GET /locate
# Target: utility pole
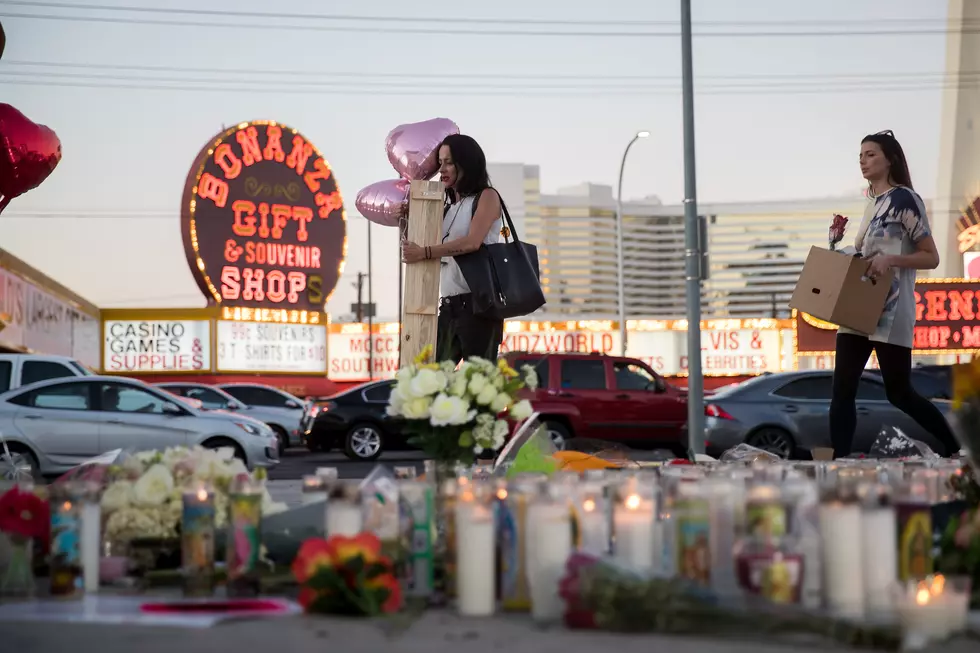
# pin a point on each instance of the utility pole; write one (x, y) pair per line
(360, 303)
(692, 248)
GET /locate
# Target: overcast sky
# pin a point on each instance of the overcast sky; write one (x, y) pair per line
(780, 113)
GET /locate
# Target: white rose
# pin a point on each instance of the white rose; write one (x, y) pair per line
(485, 419)
(450, 411)
(500, 429)
(153, 488)
(396, 401)
(530, 377)
(427, 383)
(521, 410)
(500, 403)
(404, 375)
(458, 386)
(447, 367)
(499, 382)
(417, 408)
(117, 496)
(487, 395)
(477, 382)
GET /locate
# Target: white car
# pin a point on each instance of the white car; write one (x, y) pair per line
(54, 425)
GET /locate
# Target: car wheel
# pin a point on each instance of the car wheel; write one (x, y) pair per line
(558, 433)
(22, 465)
(363, 442)
(221, 443)
(282, 437)
(773, 440)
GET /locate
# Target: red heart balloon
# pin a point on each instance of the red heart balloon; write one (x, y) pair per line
(28, 153)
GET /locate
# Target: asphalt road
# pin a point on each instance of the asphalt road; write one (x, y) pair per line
(297, 463)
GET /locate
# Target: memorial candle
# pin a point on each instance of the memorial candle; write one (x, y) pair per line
(91, 538)
(593, 525)
(548, 553)
(879, 543)
(344, 514)
(842, 559)
(633, 526)
(475, 549)
(244, 540)
(197, 526)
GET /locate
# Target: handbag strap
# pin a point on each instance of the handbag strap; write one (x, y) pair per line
(503, 205)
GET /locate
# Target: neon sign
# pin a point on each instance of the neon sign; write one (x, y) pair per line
(969, 234)
(263, 221)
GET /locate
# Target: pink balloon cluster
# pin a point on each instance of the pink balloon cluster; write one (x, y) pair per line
(413, 151)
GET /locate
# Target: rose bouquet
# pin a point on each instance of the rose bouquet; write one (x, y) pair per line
(346, 575)
(837, 228)
(455, 414)
(24, 519)
(143, 492)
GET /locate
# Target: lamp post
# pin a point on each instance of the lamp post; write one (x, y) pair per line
(619, 244)
(692, 247)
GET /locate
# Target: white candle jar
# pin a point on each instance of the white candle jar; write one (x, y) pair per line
(592, 520)
(344, 513)
(842, 557)
(634, 526)
(475, 550)
(548, 552)
(879, 550)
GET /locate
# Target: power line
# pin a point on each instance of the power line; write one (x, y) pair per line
(456, 20)
(577, 91)
(456, 32)
(872, 76)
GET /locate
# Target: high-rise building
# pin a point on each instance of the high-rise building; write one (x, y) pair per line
(755, 253)
(956, 209)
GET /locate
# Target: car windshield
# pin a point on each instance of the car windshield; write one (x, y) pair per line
(82, 370)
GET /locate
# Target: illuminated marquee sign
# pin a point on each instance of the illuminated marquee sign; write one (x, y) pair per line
(156, 346)
(947, 314)
(271, 347)
(969, 224)
(262, 220)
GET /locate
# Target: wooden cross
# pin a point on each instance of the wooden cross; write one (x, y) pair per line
(420, 310)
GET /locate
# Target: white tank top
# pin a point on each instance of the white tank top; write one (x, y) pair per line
(456, 224)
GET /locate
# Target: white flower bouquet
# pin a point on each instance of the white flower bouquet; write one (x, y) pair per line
(142, 495)
(455, 414)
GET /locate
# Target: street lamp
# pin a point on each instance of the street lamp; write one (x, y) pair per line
(619, 243)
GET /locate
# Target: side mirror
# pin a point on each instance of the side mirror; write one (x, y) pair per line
(231, 405)
(172, 409)
(659, 385)
(291, 404)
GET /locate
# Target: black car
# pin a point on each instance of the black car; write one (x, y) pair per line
(357, 422)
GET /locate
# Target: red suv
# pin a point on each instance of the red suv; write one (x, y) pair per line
(607, 398)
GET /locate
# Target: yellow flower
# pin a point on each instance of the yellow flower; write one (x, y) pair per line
(966, 383)
(506, 369)
(424, 355)
(430, 366)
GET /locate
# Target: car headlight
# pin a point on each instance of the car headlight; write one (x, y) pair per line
(248, 428)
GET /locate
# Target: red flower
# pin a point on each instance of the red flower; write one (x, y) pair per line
(312, 555)
(24, 514)
(388, 581)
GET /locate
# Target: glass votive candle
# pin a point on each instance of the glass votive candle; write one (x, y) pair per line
(405, 472)
(634, 526)
(475, 549)
(592, 519)
(958, 591)
(314, 489)
(923, 614)
(328, 473)
(344, 512)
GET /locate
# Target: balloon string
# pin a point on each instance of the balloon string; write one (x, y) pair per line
(4, 202)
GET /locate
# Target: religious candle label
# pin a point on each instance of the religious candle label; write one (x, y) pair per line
(773, 575)
(693, 540)
(66, 552)
(766, 520)
(418, 500)
(511, 520)
(914, 540)
(244, 543)
(197, 545)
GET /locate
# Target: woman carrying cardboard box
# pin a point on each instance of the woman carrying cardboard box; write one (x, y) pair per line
(894, 235)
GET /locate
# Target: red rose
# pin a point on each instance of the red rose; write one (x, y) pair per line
(23, 514)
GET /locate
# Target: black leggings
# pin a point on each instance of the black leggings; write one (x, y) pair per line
(853, 352)
(462, 334)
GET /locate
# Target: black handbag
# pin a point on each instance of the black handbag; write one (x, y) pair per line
(504, 278)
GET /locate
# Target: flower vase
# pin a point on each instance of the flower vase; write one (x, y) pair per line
(18, 578)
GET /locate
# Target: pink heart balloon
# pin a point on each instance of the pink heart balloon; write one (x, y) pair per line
(384, 202)
(28, 153)
(413, 149)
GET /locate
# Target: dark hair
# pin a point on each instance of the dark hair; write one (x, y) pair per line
(471, 165)
(898, 174)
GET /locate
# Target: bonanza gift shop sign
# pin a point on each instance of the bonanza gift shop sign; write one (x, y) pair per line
(262, 220)
(156, 346)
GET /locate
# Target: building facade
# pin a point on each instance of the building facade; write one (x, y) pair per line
(755, 253)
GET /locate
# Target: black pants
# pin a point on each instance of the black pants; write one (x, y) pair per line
(462, 334)
(853, 352)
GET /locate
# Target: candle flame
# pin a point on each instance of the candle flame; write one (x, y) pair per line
(466, 496)
(588, 505)
(66, 506)
(633, 501)
(937, 585)
(502, 494)
(922, 596)
(202, 495)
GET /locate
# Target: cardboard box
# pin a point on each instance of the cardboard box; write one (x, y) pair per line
(833, 287)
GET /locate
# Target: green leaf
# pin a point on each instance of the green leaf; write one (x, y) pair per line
(324, 580)
(466, 438)
(355, 565)
(376, 569)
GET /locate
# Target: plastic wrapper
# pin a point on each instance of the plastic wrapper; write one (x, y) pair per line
(893, 443)
(746, 453)
(529, 450)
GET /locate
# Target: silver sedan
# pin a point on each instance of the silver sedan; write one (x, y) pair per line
(789, 413)
(55, 425)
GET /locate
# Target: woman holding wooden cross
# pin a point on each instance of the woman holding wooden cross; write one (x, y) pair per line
(472, 218)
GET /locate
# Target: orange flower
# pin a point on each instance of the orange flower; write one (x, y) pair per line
(388, 581)
(341, 548)
(313, 554)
